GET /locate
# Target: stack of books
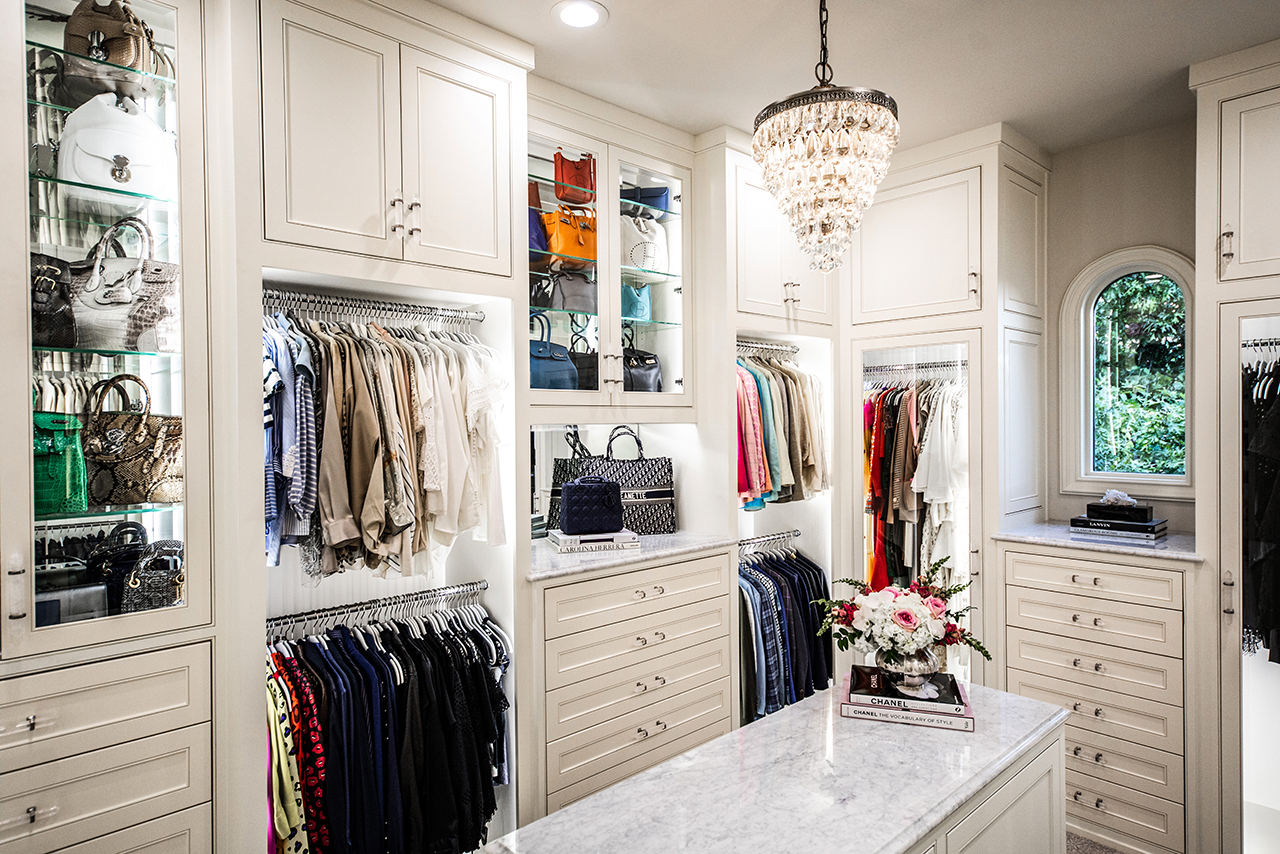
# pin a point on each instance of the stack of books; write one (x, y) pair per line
(1148, 531)
(616, 541)
(943, 704)
(538, 524)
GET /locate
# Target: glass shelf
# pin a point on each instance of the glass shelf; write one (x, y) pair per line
(545, 274)
(155, 79)
(47, 106)
(105, 512)
(551, 256)
(640, 274)
(125, 195)
(636, 321)
(552, 183)
(106, 352)
(555, 311)
(658, 214)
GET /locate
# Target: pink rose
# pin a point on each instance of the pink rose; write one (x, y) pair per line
(906, 619)
(936, 606)
(895, 591)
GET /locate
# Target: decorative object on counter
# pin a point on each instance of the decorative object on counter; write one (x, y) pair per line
(158, 579)
(112, 560)
(652, 202)
(571, 238)
(549, 364)
(125, 303)
(575, 179)
(869, 687)
(623, 540)
(564, 469)
(1117, 506)
(901, 626)
(59, 470)
(917, 713)
(574, 292)
(591, 505)
(53, 320)
(823, 153)
(118, 148)
(641, 370)
(132, 457)
(644, 247)
(637, 302)
(648, 486)
(538, 526)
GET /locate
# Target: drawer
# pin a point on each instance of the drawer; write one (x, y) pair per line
(58, 713)
(618, 773)
(596, 700)
(1139, 674)
(573, 658)
(86, 796)
(1140, 627)
(1125, 763)
(1137, 585)
(1130, 718)
(592, 604)
(186, 832)
(1127, 810)
(599, 748)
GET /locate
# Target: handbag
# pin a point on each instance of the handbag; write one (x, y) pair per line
(112, 33)
(586, 361)
(571, 238)
(641, 370)
(53, 320)
(111, 561)
(126, 303)
(652, 202)
(636, 302)
(158, 579)
(591, 505)
(549, 364)
(537, 240)
(648, 486)
(644, 248)
(576, 179)
(59, 468)
(573, 292)
(115, 148)
(132, 457)
(565, 469)
(539, 291)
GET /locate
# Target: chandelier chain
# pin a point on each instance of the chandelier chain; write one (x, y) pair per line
(823, 69)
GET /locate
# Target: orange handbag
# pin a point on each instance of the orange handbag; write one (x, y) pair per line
(576, 179)
(571, 238)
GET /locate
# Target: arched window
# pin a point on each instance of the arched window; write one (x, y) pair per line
(1124, 384)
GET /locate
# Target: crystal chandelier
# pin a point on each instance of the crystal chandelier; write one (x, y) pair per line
(823, 153)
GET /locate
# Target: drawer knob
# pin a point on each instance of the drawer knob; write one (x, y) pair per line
(641, 640)
(661, 680)
(1098, 667)
(1077, 796)
(1076, 750)
(1098, 713)
(31, 815)
(1098, 759)
(641, 732)
(1098, 804)
(1097, 621)
(1075, 618)
(1097, 581)
(658, 590)
(641, 687)
(28, 817)
(638, 595)
(1075, 662)
(659, 636)
(1075, 579)
(661, 724)
(1075, 707)
(31, 723)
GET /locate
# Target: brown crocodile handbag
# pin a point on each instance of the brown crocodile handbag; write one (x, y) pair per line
(132, 457)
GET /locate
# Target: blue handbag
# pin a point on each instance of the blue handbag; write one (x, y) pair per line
(651, 198)
(537, 238)
(636, 303)
(549, 364)
(591, 505)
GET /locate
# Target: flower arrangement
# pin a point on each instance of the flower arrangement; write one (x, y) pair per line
(898, 622)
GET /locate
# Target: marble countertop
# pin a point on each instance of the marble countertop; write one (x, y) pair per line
(548, 563)
(1172, 547)
(801, 779)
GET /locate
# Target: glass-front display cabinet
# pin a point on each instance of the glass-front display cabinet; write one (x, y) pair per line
(109, 535)
(608, 274)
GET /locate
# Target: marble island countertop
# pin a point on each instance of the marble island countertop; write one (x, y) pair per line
(1172, 547)
(548, 563)
(802, 779)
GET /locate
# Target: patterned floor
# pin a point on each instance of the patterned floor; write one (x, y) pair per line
(1080, 845)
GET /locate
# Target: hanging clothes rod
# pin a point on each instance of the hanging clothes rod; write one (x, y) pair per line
(44, 527)
(749, 347)
(781, 536)
(1259, 342)
(359, 306)
(916, 366)
(373, 606)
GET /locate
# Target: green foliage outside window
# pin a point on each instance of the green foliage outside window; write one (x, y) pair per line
(1140, 376)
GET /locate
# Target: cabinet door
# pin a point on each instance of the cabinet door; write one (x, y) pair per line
(757, 249)
(1249, 229)
(331, 132)
(919, 250)
(811, 293)
(456, 125)
(1025, 815)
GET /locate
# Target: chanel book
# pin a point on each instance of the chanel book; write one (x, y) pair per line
(872, 690)
(962, 722)
(623, 537)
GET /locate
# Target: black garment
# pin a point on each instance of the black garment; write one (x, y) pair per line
(410, 758)
(746, 642)
(337, 738)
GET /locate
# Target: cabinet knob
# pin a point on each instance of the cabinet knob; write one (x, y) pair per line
(1098, 713)
(641, 640)
(1077, 796)
(1097, 621)
(641, 687)
(661, 680)
(638, 595)
(1098, 804)
(661, 724)
(31, 723)
(1075, 618)
(1097, 667)
(658, 590)
(659, 636)
(1075, 662)
(1075, 579)
(1098, 759)
(1076, 750)
(1075, 707)
(1097, 582)
(641, 733)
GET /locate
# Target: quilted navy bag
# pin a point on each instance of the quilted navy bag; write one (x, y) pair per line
(591, 505)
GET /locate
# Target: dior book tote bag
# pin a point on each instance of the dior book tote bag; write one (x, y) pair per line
(648, 486)
(565, 469)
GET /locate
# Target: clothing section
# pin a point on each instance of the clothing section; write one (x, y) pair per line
(1260, 441)
(915, 468)
(783, 659)
(387, 735)
(782, 438)
(380, 434)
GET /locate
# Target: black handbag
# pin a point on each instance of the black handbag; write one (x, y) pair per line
(587, 362)
(641, 370)
(539, 291)
(549, 364)
(112, 561)
(648, 486)
(591, 505)
(158, 579)
(565, 469)
(53, 320)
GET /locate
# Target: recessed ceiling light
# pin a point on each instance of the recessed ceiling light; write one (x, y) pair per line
(581, 13)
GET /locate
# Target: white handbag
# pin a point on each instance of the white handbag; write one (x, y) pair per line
(644, 246)
(117, 148)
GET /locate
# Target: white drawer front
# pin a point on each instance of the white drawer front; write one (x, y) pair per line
(1138, 627)
(605, 779)
(1129, 811)
(573, 658)
(1137, 585)
(1131, 718)
(1140, 674)
(596, 700)
(59, 713)
(86, 796)
(579, 756)
(186, 832)
(1126, 763)
(592, 604)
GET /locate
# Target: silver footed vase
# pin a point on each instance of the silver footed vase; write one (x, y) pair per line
(910, 673)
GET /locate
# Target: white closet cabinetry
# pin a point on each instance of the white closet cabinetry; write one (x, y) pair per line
(1250, 190)
(375, 147)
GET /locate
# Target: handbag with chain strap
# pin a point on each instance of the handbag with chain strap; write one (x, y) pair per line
(132, 457)
(648, 486)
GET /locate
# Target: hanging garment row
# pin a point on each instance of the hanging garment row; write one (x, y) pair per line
(782, 443)
(1260, 441)
(783, 658)
(380, 442)
(388, 737)
(916, 470)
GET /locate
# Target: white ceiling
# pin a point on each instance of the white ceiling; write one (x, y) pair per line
(1064, 72)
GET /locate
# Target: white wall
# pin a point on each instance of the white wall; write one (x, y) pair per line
(1129, 191)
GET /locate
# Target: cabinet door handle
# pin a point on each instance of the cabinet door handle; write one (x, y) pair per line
(1098, 759)
(1077, 796)
(1227, 249)
(1076, 750)
(641, 733)
(973, 281)
(658, 590)
(1227, 584)
(397, 213)
(1075, 662)
(1075, 707)
(1098, 713)
(638, 595)
(1097, 621)
(1097, 582)
(641, 687)
(659, 636)
(661, 724)
(641, 640)
(1075, 618)
(415, 217)
(1098, 805)
(661, 680)
(1075, 579)
(29, 817)
(1097, 667)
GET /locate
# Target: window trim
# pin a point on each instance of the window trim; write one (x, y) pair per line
(1076, 379)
